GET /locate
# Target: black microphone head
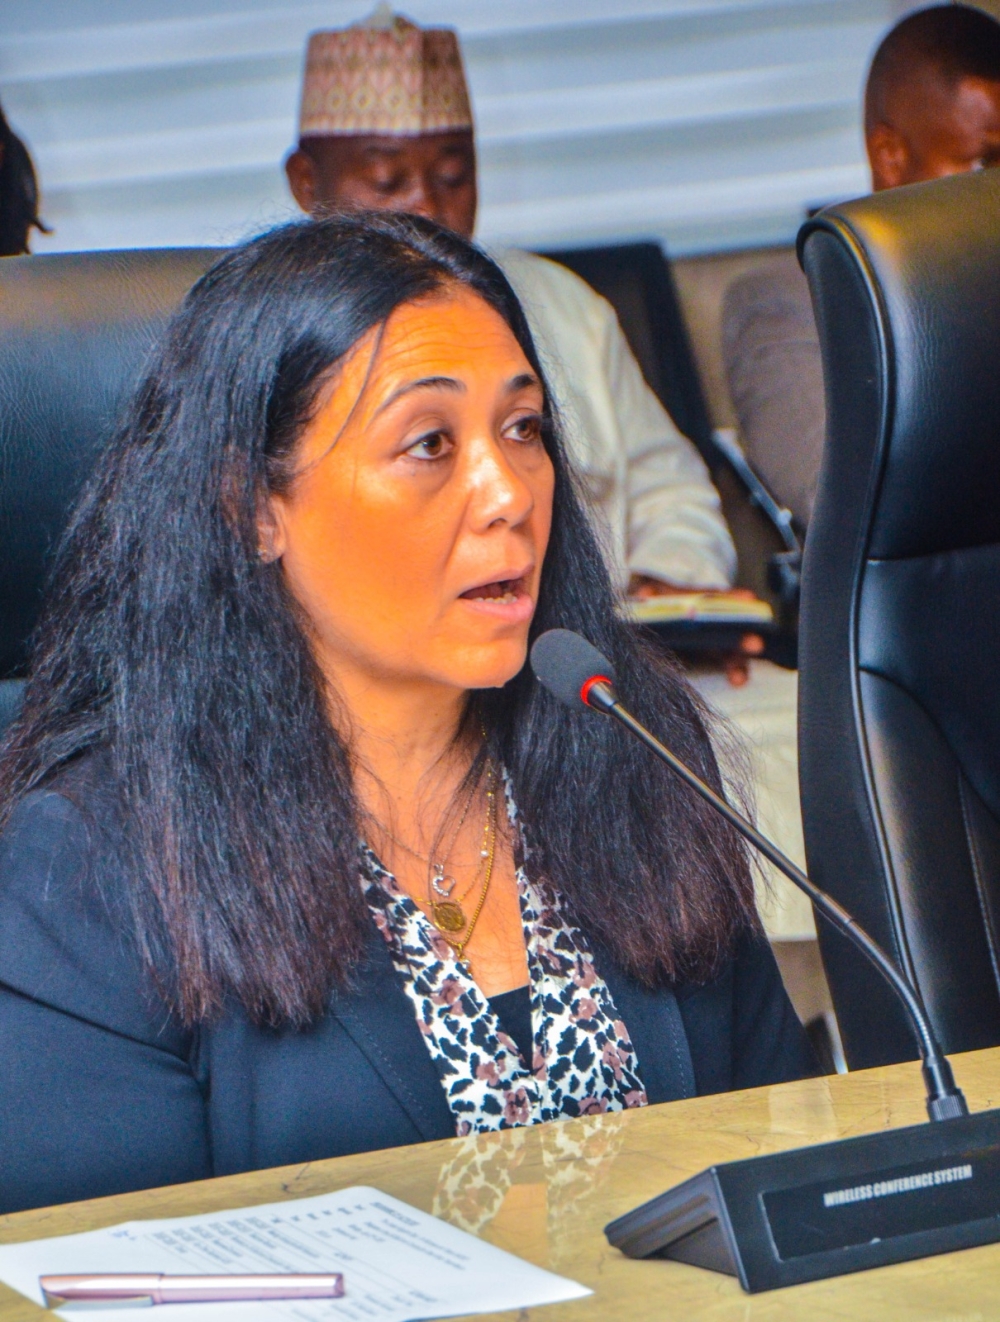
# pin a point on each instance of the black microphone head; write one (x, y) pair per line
(564, 662)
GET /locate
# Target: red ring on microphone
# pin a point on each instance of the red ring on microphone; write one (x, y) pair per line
(588, 684)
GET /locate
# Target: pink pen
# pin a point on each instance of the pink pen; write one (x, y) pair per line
(116, 1289)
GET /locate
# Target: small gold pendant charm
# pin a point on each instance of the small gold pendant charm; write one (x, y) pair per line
(448, 915)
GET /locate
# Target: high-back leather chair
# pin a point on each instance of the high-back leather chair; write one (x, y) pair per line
(899, 721)
(75, 329)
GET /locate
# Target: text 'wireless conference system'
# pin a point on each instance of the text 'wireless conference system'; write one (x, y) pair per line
(826, 1210)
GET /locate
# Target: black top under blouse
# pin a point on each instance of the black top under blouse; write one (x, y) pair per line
(513, 1009)
(103, 1090)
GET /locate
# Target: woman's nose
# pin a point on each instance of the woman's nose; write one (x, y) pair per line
(499, 493)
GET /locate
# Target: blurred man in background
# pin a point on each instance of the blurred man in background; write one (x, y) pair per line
(386, 123)
(932, 108)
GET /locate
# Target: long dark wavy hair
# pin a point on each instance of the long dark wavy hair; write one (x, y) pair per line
(167, 641)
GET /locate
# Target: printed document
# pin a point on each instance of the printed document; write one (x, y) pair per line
(399, 1264)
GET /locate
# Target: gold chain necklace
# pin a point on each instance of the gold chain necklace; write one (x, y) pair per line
(447, 913)
(445, 907)
(489, 852)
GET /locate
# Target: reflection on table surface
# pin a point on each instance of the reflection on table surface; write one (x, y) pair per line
(547, 1192)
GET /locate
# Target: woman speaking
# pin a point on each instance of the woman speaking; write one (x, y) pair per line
(297, 859)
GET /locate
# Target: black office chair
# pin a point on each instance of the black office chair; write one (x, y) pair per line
(899, 716)
(74, 331)
(637, 281)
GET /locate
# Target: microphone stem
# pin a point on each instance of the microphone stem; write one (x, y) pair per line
(944, 1097)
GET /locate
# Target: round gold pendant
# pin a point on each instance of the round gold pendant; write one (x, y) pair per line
(448, 916)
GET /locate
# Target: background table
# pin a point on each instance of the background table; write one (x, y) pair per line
(547, 1192)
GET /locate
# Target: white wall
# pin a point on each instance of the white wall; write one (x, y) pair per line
(709, 123)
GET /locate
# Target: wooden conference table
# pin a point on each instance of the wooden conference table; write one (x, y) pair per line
(545, 1193)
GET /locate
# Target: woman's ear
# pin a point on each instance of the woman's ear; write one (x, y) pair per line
(272, 538)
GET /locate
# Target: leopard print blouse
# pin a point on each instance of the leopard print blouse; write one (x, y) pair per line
(584, 1062)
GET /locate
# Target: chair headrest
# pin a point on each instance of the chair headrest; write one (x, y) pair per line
(929, 256)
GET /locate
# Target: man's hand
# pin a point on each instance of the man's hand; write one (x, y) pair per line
(735, 664)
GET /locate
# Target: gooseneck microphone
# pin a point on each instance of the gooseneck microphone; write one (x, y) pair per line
(576, 673)
(808, 1213)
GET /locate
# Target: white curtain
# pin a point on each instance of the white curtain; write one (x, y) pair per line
(708, 123)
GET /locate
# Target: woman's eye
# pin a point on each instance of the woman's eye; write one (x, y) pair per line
(527, 430)
(431, 446)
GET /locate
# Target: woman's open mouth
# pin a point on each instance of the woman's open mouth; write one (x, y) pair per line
(504, 589)
(508, 598)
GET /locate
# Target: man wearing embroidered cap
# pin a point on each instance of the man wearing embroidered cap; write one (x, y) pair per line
(386, 123)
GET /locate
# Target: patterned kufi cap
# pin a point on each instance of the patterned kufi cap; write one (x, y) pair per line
(384, 75)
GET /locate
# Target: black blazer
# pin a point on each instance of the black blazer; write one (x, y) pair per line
(102, 1090)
